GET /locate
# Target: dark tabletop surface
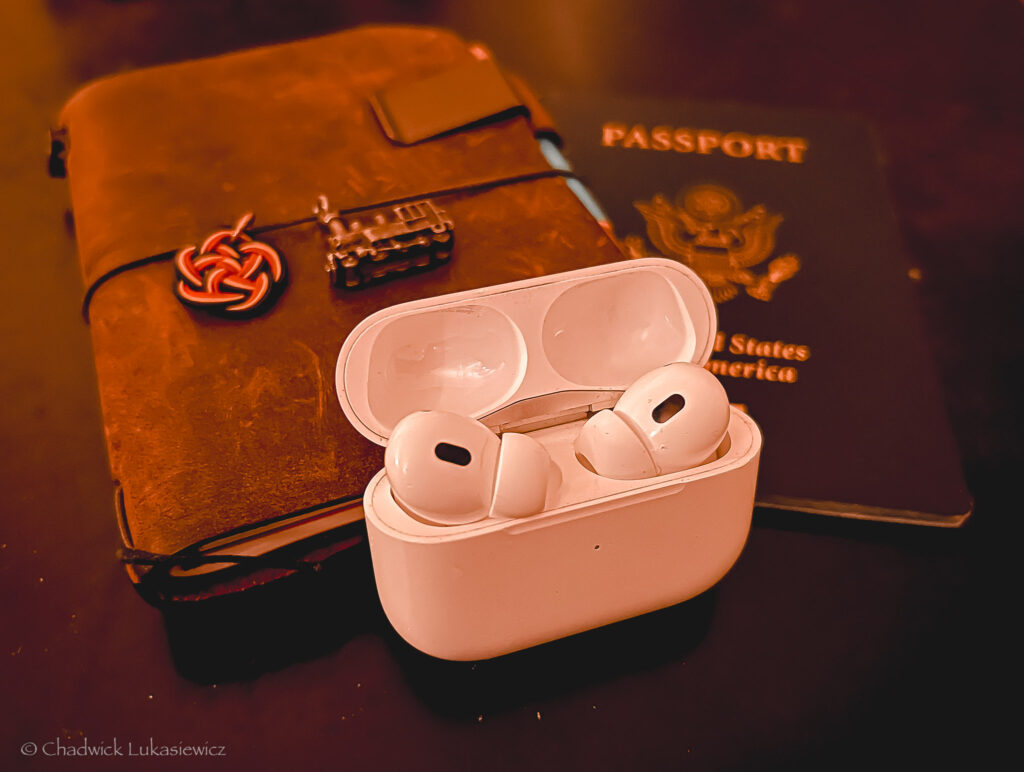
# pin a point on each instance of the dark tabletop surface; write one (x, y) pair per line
(831, 644)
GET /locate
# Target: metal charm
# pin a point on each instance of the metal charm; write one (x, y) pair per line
(229, 273)
(418, 235)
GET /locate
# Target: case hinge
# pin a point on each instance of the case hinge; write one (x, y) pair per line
(550, 410)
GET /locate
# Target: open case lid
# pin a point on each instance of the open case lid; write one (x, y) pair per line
(525, 354)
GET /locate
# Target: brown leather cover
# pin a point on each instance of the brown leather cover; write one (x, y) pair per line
(217, 424)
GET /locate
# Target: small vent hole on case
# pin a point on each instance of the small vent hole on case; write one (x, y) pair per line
(668, 408)
(453, 454)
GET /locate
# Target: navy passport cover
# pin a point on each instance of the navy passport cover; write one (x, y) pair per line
(785, 215)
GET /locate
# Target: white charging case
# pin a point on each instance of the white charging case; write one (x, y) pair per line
(539, 356)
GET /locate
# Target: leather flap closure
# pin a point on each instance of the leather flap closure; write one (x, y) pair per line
(460, 96)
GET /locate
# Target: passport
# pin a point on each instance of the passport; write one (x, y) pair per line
(785, 216)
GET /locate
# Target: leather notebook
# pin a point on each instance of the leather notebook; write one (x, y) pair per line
(232, 461)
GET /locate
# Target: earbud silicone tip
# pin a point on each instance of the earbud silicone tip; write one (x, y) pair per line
(612, 448)
(520, 486)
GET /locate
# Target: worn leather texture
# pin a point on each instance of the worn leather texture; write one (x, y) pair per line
(215, 424)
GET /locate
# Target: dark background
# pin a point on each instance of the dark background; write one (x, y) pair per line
(831, 645)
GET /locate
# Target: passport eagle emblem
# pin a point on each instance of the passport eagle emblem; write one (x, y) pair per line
(229, 273)
(707, 229)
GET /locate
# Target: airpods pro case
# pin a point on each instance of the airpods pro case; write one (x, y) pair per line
(540, 356)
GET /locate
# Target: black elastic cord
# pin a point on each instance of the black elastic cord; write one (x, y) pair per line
(193, 555)
(469, 188)
(187, 558)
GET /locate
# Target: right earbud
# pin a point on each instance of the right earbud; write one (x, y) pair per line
(448, 469)
(668, 420)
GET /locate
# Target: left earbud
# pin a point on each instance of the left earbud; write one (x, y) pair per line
(448, 469)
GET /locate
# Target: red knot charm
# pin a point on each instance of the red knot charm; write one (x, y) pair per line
(229, 273)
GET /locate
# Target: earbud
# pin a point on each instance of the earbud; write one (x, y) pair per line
(448, 469)
(668, 420)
